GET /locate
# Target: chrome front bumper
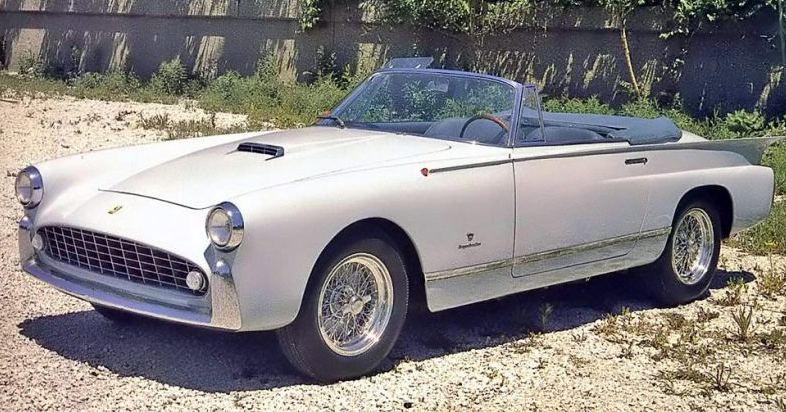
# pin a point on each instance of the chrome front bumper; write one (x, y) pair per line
(218, 309)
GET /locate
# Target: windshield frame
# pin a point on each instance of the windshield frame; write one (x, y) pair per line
(517, 97)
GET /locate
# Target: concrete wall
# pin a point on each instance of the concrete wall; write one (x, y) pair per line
(575, 52)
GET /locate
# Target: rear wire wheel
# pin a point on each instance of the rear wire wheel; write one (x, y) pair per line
(687, 265)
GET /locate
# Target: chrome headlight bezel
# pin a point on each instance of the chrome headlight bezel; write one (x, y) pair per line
(233, 227)
(35, 184)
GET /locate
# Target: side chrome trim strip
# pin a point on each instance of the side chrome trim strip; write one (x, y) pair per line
(549, 254)
(469, 270)
(470, 166)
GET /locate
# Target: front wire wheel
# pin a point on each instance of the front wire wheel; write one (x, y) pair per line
(353, 310)
(355, 304)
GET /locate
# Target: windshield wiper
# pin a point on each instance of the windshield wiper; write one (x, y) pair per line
(338, 121)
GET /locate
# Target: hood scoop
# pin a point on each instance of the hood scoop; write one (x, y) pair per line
(261, 148)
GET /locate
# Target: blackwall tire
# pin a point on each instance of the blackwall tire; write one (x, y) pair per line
(352, 312)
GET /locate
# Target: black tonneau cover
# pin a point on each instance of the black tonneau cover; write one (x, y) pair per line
(634, 130)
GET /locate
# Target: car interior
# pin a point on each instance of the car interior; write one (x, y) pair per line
(485, 131)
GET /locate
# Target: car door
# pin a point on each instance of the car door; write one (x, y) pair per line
(576, 204)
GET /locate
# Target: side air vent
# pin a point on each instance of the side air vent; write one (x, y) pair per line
(261, 148)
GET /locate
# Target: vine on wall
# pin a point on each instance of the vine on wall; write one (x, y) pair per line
(476, 19)
(480, 17)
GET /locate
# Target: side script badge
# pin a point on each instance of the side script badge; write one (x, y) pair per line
(114, 210)
(470, 243)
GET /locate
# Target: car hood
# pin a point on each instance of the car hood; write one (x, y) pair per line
(210, 176)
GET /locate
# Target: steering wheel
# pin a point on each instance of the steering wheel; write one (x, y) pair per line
(494, 119)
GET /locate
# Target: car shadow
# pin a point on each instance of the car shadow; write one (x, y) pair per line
(214, 361)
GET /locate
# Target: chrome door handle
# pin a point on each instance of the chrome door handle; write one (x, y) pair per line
(636, 161)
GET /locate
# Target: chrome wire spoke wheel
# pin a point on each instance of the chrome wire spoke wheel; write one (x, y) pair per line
(355, 304)
(693, 246)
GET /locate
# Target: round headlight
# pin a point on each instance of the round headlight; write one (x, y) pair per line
(29, 187)
(225, 226)
(24, 188)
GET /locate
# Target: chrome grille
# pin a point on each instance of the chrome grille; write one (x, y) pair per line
(112, 256)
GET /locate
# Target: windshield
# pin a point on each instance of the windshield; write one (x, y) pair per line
(437, 105)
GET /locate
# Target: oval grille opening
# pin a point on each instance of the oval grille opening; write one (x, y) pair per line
(112, 256)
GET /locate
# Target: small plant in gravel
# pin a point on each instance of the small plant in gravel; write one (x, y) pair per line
(775, 385)
(704, 315)
(121, 115)
(627, 351)
(154, 122)
(579, 337)
(608, 327)
(676, 321)
(659, 341)
(719, 378)
(744, 322)
(526, 344)
(546, 310)
(690, 334)
(686, 372)
(780, 403)
(723, 263)
(772, 340)
(734, 292)
(772, 282)
(577, 361)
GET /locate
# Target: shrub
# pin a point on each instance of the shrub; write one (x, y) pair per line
(564, 104)
(112, 82)
(744, 123)
(266, 99)
(33, 65)
(170, 78)
(775, 157)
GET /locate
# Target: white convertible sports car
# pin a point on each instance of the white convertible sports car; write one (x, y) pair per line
(423, 184)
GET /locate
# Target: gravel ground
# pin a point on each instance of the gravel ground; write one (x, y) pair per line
(57, 353)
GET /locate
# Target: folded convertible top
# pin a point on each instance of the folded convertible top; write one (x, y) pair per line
(634, 130)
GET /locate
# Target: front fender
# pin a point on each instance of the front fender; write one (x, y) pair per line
(287, 227)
